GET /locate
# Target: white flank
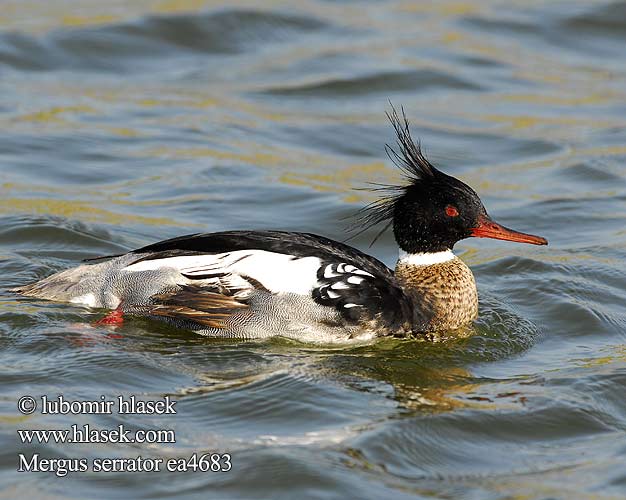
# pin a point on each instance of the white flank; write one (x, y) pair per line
(275, 271)
(425, 259)
(89, 299)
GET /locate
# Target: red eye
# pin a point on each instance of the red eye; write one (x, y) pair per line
(451, 211)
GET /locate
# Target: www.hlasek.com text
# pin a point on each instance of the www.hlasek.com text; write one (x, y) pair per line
(88, 434)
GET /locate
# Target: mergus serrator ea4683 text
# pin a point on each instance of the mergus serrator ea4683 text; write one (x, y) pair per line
(255, 284)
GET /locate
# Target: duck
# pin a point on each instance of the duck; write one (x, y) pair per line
(249, 284)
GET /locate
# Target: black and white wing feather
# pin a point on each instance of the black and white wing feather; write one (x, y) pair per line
(364, 297)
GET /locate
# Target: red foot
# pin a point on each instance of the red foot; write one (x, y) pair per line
(115, 317)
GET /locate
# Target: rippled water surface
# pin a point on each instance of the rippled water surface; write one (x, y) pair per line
(126, 124)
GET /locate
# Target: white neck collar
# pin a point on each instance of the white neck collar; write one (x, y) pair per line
(426, 258)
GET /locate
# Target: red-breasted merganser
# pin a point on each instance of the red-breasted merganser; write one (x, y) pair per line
(255, 284)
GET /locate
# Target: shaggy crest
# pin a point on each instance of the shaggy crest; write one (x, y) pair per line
(410, 160)
(413, 164)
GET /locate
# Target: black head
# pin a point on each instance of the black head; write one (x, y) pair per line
(433, 210)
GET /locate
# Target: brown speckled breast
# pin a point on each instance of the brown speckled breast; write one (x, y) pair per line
(447, 290)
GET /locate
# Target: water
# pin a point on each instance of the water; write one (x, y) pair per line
(123, 125)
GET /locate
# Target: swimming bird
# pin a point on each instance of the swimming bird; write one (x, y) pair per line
(257, 284)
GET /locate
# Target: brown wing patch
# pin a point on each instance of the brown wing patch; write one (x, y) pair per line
(197, 304)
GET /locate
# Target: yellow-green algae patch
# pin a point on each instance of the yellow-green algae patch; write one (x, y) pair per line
(79, 210)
